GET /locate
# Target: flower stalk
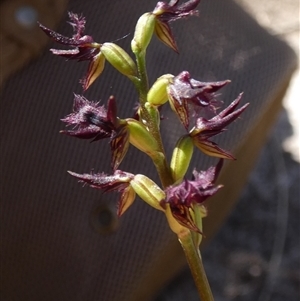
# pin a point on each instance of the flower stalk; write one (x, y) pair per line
(182, 201)
(143, 85)
(194, 260)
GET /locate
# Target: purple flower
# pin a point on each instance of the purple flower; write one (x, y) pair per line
(185, 93)
(84, 48)
(206, 129)
(119, 181)
(168, 12)
(92, 121)
(172, 11)
(183, 197)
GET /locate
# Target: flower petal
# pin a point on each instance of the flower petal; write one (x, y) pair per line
(185, 217)
(95, 69)
(211, 149)
(164, 33)
(119, 145)
(118, 181)
(126, 200)
(89, 120)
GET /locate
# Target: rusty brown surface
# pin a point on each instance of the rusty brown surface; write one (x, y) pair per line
(22, 40)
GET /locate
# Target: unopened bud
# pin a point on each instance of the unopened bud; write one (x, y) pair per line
(143, 32)
(181, 157)
(157, 94)
(140, 137)
(148, 191)
(119, 59)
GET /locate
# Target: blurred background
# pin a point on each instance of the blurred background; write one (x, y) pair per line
(282, 19)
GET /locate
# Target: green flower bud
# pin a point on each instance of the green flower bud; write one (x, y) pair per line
(181, 157)
(119, 59)
(143, 32)
(140, 137)
(148, 191)
(157, 94)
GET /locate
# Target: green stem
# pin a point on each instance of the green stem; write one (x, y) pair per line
(143, 88)
(195, 262)
(159, 159)
(163, 169)
(142, 71)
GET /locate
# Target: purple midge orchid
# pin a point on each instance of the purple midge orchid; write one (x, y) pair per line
(84, 48)
(168, 12)
(183, 197)
(186, 93)
(172, 11)
(92, 121)
(119, 181)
